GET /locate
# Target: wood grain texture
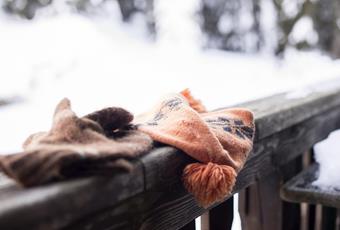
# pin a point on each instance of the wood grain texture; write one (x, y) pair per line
(153, 197)
(56, 205)
(221, 217)
(276, 113)
(190, 226)
(261, 207)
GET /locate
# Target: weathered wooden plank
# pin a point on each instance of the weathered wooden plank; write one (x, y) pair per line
(301, 189)
(54, 206)
(249, 208)
(308, 213)
(268, 153)
(328, 219)
(337, 227)
(261, 207)
(190, 226)
(261, 161)
(286, 127)
(221, 217)
(276, 113)
(171, 204)
(301, 137)
(151, 210)
(268, 202)
(291, 212)
(311, 214)
(158, 172)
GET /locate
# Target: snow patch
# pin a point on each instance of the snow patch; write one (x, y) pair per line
(304, 31)
(299, 93)
(327, 154)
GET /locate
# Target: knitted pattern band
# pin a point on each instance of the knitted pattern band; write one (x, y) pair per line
(99, 143)
(219, 140)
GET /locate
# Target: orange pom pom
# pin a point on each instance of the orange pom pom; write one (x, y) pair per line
(193, 102)
(210, 182)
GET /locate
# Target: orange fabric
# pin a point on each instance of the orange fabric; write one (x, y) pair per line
(193, 102)
(209, 182)
(223, 137)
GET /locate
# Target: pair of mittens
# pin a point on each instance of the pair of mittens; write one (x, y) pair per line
(102, 142)
(220, 141)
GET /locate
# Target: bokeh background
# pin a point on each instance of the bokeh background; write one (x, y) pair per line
(129, 53)
(240, 26)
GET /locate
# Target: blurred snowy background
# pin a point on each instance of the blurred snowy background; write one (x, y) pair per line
(131, 52)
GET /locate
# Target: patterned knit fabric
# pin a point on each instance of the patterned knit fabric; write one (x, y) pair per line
(220, 141)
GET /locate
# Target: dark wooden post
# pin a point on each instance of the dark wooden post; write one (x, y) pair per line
(337, 227)
(249, 206)
(261, 207)
(291, 212)
(328, 218)
(220, 217)
(190, 226)
(310, 218)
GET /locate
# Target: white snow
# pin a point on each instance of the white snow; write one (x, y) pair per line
(327, 154)
(177, 25)
(303, 30)
(299, 93)
(268, 22)
(225, 24)
(306, 90)
(291, 7)
(100, 61)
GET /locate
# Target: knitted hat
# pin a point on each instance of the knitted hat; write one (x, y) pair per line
(220, 141)
(76, 147)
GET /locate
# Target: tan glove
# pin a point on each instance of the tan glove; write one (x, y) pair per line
(77, 147)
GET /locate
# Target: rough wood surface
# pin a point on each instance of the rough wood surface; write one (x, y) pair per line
(190, 226)
(152, 197)
(260, 205)
(301, 189)
(221, 217)
(56, 205)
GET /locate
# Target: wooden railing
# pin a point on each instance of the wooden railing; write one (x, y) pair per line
(153, 197)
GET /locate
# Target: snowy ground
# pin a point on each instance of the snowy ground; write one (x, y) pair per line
(101, 62)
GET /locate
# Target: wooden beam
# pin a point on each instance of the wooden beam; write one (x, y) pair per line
(221, 217)
(190, 226)
(152, 197)
(301, 189)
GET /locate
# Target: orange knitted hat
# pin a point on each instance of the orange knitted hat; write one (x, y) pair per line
(220, 140)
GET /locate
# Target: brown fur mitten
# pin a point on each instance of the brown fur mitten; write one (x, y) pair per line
(76, 147)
